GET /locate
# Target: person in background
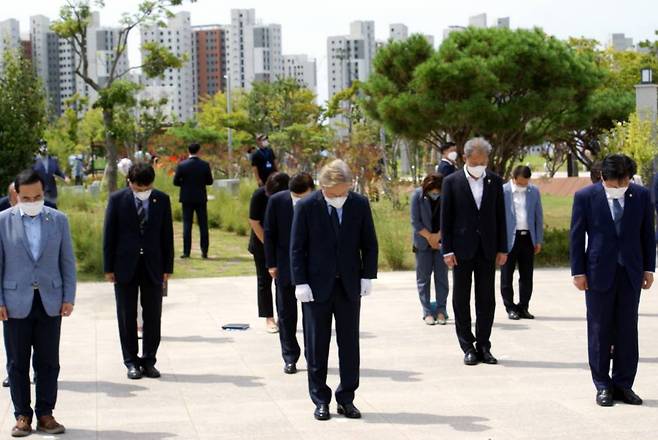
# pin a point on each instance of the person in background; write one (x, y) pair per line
(278, 223)
(48, 168)
(525, 235)
(192, 176)
(448, 163)
(263, 161)
(257, 207)
(37, 289)
(333, 256)
(613, 268)
(138, 258)
(426, 223)
(78, 170)
(595, 172)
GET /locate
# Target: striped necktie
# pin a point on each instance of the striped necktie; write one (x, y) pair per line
(141, 215)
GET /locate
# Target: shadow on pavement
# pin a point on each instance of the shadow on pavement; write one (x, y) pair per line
(196, 338)
(560, 318)
(512, 327)
(86, 434)
(111, 389)
(544, 364)
(394, 375)
(458, 423)
(238, 381)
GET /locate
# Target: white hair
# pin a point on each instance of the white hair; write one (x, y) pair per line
(335, 173)
(477, 144)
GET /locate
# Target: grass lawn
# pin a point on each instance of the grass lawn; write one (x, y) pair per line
(557, 211)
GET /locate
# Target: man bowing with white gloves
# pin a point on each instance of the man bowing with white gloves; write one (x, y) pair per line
(333, 256)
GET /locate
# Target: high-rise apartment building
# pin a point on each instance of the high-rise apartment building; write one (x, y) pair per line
(301, 68)
(210, 59)
(350, 56)
(10, 38)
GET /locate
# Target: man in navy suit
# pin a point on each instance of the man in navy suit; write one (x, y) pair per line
(474, 242)
(192, 176)
(333, 255)
(48, 168)
(617, 218)
(448, 159)
(277, 226)
(138, 257)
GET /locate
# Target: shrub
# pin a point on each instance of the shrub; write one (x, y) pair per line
(87, 232)
(555, 250)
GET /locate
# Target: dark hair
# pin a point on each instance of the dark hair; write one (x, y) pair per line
(27, 177)
(447, 145)
(522, 171)
(141, 173)
(276, 182)
(617, 166)
(595, 172)
(301, 182)
(261, 137)
(194, 148)
(432, 181)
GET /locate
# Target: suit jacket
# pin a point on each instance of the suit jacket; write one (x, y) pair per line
(421, 218)
(591, 217)
(193, 175)
(445, 168)
(464, 228)
(122, 240)
(50, 185)
(318, 253)
(52, 272)
(4, 204)
(278, 223)
(535, 215)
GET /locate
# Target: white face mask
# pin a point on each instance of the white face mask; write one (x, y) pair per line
(31, 209)
(143, 195)
(336, 202)
(452, 156)
(477, 171)
(615, 193)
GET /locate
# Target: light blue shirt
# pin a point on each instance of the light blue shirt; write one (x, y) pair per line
(338, 211)
(32, 227)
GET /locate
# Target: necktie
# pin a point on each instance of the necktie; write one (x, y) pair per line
(618, 212)
(334, 220)
(141, 215)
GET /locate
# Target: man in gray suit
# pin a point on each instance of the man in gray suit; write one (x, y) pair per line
(525, 234)
(37, 288)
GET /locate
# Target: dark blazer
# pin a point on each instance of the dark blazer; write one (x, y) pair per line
(50, 186)
(318, 254)
(4, 203)
(277, 225)
(122, 240)
(463, 226)
(421, 218)
(591, 216)
(193, 175)
(445, 168)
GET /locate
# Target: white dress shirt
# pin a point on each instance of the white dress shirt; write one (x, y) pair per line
(477, 187)
(610, 205)
(520, 208)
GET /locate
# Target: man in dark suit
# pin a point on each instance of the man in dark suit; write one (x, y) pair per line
(617, 218)
(48, 168)
(192, 176)
(447, 166)
(138, 251)
(278, 223)
(474, 242)
(333, 257)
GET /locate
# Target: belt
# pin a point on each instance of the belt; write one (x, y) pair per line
(523, 232)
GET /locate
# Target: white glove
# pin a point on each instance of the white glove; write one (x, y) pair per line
(303, 293)
(366, 287)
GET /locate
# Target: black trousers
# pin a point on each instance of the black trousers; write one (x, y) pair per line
(201, 210)
(40, 332)
(523, 254)
(484, 272)
(612, 317)
(150, 297)
(286, 310)
(265, 304)
(317, 336)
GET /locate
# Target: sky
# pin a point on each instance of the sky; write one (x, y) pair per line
(307, 24)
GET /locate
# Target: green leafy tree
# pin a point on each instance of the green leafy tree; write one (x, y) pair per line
(635, 138)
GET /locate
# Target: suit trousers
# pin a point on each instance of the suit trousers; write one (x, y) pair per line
(286, 310)
(317, 317)
(40, 332)
(612, 318)
(201, 210)
(265, 304)
(523, 255)
(150, 297)
(484, 272)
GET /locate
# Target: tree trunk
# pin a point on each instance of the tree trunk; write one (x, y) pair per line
(110, 150)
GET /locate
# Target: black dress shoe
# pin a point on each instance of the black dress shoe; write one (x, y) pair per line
(513, 315)
(5, 383)
(134, 373)
(488, 358)
(204, 256)
(290, 368)
(627, 396)
(349, 410)
(322, 412)
(604, 398)
(184, 256)
(150, 371)
(471, 358)
(525, 314)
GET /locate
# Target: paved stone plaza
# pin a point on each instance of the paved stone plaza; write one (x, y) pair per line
(230, 385)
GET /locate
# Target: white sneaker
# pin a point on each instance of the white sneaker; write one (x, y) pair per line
(429, 320)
